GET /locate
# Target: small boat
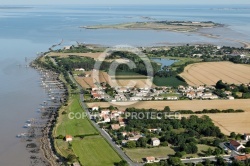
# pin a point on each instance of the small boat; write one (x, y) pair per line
(21, 135)
(27, 125)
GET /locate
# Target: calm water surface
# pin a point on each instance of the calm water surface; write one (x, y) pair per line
(26, 31)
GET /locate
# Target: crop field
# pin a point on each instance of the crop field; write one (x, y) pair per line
(228, 122)
(195, 105)
(139, 81)
(209, 73)
(96, 151)
(231, 122)
(63, 55)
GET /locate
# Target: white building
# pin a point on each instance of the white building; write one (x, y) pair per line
(68, 138)
(150, 159)
(230, 97)
(95, 108)
(247, 136)
(236, 145)
(155, 141)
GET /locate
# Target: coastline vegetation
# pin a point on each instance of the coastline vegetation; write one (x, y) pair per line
(179, 26)
(81, 129)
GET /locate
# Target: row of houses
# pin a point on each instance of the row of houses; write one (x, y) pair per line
(199, 92)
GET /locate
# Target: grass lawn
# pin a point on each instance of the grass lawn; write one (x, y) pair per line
(138, 154)
(73, 126)
(126, 73)
(182, 61)
(170, 94)
(64, 149)
(169, 81)
(94, 150)
(201, 149)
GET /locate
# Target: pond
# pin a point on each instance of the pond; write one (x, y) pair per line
(164, 61)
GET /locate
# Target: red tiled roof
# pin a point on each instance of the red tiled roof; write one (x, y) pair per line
(115, 126)
(96, 95)
(68, 136)
(234, 143)
(242, 158)
(150, 158)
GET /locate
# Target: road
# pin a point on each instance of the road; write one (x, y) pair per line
(103, 133)
(201, 159)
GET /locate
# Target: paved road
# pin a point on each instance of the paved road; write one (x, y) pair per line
(103, 133)
(201, 159)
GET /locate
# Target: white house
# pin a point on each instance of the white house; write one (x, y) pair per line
(236, 145)
(155, 141)
(172, 98)
(80, 69)
(150, 159)
(67, 47)
(230, 97)
(135, 98)
(68, 138)
(247, 136)
(95, 108)
(242, 56)
(197, 55)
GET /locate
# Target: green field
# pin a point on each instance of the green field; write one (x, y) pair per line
(167, 81)
(138, 154)
(201, 149)
(182, 61)
(74, 126)
(170, 94)
(118, 73)
(91, 150)
(95, 151)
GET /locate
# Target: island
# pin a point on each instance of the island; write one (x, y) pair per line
(179, 26)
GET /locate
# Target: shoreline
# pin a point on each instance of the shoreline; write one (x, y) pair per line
(49, 113)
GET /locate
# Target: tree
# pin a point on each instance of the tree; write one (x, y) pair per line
(174, 161)
(199, 164)
(232, 135)
(220, 161)
(207, 162)
(221, 85)
(141, 142)
(131, 144)
(167, 109)
(121, 163)
(209, 152)
(217, 152)
(180, 154)
(71, 158)
(248, 144)
(237, 163)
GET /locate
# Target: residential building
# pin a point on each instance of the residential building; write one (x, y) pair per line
(247, 136)
(150, 159)
(95, 108)
(234, 145)
(68, 138)
(242, 158)
(230, 97)
(155, 141)
(134, 138)
(115, 127)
